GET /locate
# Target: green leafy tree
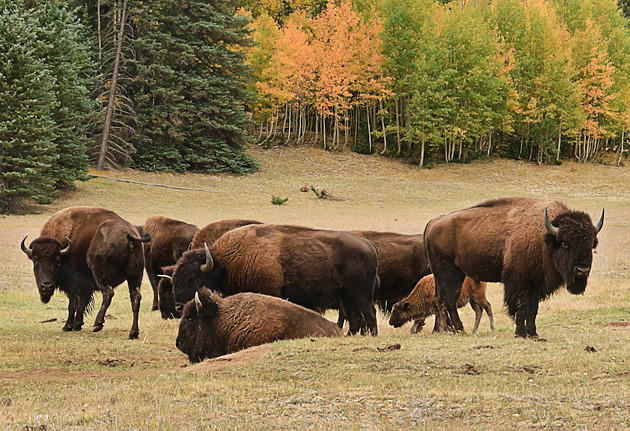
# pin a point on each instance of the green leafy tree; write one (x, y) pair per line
(27, 128)
(190, 87)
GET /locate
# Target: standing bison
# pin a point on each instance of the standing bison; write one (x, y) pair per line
(207, 235)
(213, 326)
(81, 250)
(532, 246)
(212, 231)
(169, 240)
(312, 268)
(420, 304)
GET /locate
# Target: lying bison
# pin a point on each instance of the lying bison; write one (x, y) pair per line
(211, 232)
(532, 246)
(207, 235)
(81, 250)
(169, 239)
(312, 268)
(213, 326)
(420, 304)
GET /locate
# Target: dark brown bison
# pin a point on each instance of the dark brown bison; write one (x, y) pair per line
(211, 232)
(81, 250)
(168, 310)
(213, 326)
(402, 262)
(169, 240)
(207, 235)
(310, 267)
(532, 246)
(420, 304)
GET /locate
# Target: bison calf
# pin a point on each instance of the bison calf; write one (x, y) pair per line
(213, 326)
(421, 303)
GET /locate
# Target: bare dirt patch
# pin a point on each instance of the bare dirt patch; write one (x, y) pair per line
(232, 360)
(618, 324)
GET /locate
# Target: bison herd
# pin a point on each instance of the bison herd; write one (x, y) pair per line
(239, 283)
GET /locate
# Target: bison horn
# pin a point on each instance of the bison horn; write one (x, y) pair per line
(198, 304)
(168, 277)
(66, 250)
(207, 267)
(600, 223)
(550, 228)
(25, 249)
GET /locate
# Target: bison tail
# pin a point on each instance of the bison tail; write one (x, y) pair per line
(511, 300)
(145, 238)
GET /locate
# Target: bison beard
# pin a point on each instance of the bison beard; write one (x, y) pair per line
(213, 326)
(511, 240)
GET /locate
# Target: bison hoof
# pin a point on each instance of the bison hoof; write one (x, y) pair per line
(66, 328)
(154, 307)
(520, 335)
(133, 335)
(97, 328)
(77, 327)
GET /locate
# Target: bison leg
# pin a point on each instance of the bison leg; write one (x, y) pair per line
(82, 302)
(448, 285)
(417, 326)
(108, 294)
(530, 319)
(154, 280)
(368, 313)
(342, 316)
(478, 313)
(134, 297)
(486, 306)
(72, 308)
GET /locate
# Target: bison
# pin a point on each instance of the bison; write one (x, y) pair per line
(169, 240)
(207, 235)
(213, 326)
(211, 232)
(420, 304)
(532, 246)
(310, 267)
(81, 250)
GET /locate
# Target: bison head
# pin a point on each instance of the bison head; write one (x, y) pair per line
(47, 255)
(195, 336)
(195, 269)
(165, 294)
(571, 238)
(403, 311)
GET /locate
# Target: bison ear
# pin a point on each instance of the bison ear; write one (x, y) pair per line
(404, 305)
(205, 304)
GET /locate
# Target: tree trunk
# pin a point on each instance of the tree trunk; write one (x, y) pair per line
(380, 107)
(621, 146)
(98, 24)
(422, 153)
(559, 141)
(112, 93)
(397, 129)
(369, 131)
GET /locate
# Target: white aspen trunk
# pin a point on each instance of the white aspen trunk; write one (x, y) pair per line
(289, 134)
(559, 141)
(489, 143)
(284, 120)
(621, 146)
(369, 131)
(422, 153)
(380, 107)
(398, 149)
(324, 130)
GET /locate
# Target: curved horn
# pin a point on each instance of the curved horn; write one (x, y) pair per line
(207, 267)
(66, 250)
(198, 304)
(600, 223)
(168, 277)
(550, 228)
(25, 249)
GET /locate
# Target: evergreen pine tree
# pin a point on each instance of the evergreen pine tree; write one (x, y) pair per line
(60, 46)
(27, 132)
(189, 87)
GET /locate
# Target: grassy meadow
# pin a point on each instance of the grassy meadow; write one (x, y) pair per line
(579, 378)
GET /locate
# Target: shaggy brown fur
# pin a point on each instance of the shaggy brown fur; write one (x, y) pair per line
(104, 250)
(507, 240)
(169, 240)
(421, 303)
(216, 326)
(211, 232)
(310, 267)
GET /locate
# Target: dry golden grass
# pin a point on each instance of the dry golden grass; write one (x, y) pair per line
(54, 380)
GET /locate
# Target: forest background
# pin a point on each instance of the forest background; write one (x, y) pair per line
(183, 85)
